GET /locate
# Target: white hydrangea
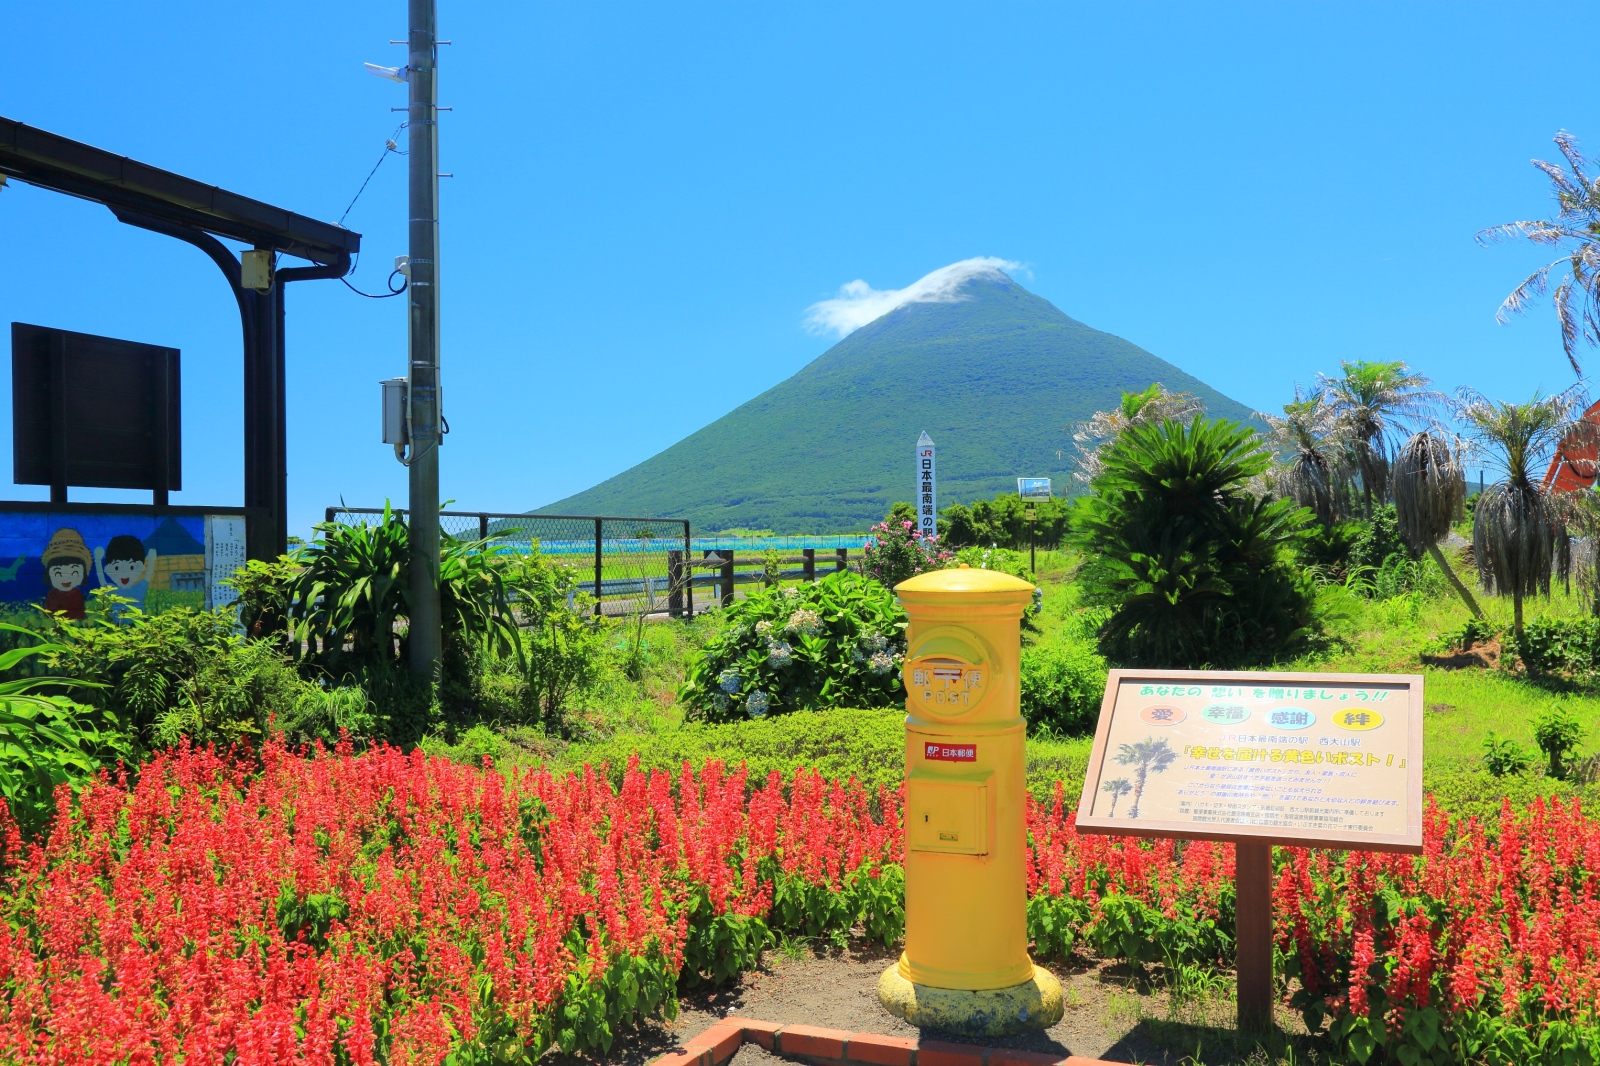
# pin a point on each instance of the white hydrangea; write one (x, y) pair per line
(779, 653)
(805, 621)
(764, 628)
(880, 663)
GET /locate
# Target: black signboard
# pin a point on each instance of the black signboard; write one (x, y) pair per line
(94, 411)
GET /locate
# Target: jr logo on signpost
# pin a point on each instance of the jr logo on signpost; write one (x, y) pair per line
(927, 490)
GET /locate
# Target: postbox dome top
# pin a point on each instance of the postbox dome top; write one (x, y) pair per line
(964, 581)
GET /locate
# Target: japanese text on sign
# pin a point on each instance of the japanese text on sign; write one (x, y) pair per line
(950, 752)
(1290, 757)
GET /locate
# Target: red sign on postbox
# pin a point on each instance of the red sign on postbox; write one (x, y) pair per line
(950, 752)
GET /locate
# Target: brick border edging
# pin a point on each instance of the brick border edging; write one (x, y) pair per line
(837, 1047)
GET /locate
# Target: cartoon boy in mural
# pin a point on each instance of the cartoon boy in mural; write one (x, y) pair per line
(125, 567)
(66, 567)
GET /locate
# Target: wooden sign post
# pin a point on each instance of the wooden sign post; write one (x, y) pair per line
(1301, 760)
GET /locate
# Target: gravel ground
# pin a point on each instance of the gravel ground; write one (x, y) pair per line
(1108, 1015)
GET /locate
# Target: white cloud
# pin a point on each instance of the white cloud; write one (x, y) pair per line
(859, 303)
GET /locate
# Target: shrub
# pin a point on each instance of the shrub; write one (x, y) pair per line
(1063, 681)
(264, 597)
(330, 716)
(353, 585)
(563, 638)
(1471, 632)
(1002, 522)
(1566, 645)
(1502, 756)
(47, 740)
(180, 673)
(1378, 540)
(1006, 562)
(838, 642)
(1328, 548)
(1195, 569)
(839, 743)
(1557, 733)
(897, 550)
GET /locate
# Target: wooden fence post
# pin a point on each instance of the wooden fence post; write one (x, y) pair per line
(842, 563)
(727, 578)
(810, 555)
(688, 569)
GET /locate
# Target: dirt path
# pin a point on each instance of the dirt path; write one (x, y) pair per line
(1108, 1015)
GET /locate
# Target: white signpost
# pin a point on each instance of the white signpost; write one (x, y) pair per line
(927, 491)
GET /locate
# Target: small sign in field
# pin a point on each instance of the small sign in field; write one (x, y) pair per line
(1309, 760)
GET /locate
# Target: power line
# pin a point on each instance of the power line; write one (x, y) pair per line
(388, 146)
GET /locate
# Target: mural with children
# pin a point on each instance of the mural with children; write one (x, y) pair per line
(55, 560)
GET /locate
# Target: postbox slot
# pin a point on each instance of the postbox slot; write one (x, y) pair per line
(948, 816)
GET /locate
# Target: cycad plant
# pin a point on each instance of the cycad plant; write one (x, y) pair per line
(1429, 489)
(1155, 404)
(1575, 230)
(1373, 403)
(1195, 568)
(1312, 471)
(1520, 535)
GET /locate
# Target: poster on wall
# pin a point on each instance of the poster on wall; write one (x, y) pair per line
(57, 559)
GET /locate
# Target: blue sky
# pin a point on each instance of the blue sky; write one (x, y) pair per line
(647, 198)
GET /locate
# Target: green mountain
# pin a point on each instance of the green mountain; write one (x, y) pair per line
(995, 378)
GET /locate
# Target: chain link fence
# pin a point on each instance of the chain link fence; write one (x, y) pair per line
(630, 566)
(651, 566)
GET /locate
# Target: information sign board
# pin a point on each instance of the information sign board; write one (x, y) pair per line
(1315, 760)
(1033, 488)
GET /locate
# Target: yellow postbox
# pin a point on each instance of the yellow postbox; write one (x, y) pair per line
(965, 966)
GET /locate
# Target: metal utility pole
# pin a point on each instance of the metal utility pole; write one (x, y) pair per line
(426, 638)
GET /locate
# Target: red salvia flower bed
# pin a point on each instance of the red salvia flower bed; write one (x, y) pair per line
(384, 907)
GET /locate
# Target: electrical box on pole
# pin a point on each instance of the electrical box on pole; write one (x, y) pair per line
(395, 402)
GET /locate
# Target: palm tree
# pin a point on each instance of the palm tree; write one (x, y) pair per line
(1148, 756)
(1372, 402)
(1155, 404)
(1575, 230)
(1429, 487)
(1116, 788)
(1314, 474)
(1520, 528)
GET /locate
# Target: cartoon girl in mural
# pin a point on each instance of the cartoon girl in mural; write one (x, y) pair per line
(66, 567)
(126, 567)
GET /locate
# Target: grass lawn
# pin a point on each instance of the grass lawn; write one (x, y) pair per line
(622, 718)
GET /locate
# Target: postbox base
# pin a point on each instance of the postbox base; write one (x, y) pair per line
(1033, 1004)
